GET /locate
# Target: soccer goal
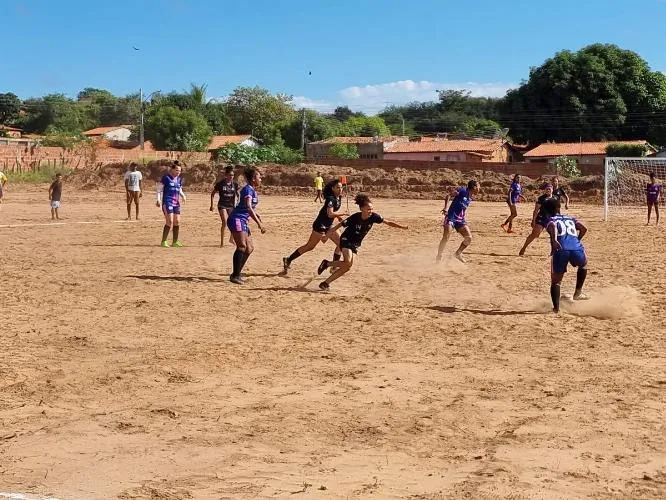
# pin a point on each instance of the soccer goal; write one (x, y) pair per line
(625, 183)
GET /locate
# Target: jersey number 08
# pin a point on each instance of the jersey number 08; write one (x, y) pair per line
(566, 227)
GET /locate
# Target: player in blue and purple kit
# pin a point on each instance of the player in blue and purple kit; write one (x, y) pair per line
(514, 195)
(455, 218)
(653, 192)
(238, 223)
(565, 235)
(169, 193)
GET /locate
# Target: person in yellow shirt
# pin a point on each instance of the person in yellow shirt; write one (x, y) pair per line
(3, 181)
(319, 188)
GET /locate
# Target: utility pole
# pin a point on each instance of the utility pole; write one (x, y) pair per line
(403, 125)
(303, 126)
(141, 125)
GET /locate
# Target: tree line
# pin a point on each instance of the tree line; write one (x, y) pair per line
(601, 92)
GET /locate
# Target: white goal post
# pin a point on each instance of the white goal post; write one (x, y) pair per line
(626, 179)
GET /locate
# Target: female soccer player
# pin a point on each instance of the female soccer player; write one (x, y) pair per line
(228, 191)
(357, 226)
(328, 213)
(653, 191)
(565, 235)
(538, 219)
(455, 218)
(560, 193)
(238, 223)
(169, 193)
(514, 195)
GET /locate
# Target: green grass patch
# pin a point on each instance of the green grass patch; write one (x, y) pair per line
(42, 174)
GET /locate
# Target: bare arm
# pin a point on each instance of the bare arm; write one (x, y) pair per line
(566, 201)
(335, 215)
(446, 203)
(394, 224)
(50, 191)
(582, 230)
(553, 239)
(253, 214)
(212, 197)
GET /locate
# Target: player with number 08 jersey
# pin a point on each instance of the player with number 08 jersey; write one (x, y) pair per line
(565, 239)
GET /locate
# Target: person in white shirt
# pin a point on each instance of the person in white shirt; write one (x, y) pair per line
(133, 184)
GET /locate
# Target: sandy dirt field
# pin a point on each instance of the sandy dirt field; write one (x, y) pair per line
(135, 372)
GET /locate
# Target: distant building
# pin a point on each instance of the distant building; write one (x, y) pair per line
(116, 133)
(11, 132)
(586, 153)
(217, 141)
(369, 148)
(466, 150)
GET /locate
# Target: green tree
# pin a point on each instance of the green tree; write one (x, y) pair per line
(343, 151)
(317, 128)
(256, 111)
(54, 113)
(170, 128)
(626, 150)
(600, 92)
(566, 166)
(10, 106)
(480, 127)
(364, 126)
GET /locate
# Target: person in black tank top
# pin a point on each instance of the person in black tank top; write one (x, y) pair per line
(357, 226)
(227, 188)
(560, 193)
(538, 218)
(330, 211)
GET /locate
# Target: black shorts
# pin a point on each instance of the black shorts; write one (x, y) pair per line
(541, 221)
(345, 243)
(222, 207)
(320, 227)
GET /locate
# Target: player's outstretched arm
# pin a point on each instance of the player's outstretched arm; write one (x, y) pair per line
(395, 224)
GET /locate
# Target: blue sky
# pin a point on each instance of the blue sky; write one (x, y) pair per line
(362, 53)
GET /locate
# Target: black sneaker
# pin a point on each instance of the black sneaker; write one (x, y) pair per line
(285, 264)
(324, 286)
(322, 267)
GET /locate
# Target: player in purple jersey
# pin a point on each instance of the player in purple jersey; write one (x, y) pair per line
(456, 218)
(653, 192)
(357, 226)
(565, 239)
(169, 194)
(238, 223)
(331, 210)
(514, 196)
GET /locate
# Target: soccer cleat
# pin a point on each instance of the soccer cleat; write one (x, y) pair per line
(165, 244)
(285, 264)
(236, 280)
(322, 267)
(324, 286)
(177, 244)
(580, 296)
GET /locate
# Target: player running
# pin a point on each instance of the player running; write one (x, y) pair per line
(169, 193)
(321, 225)
(538, 218)
(653, 192)
(357, 226)
(560, 193)
(133, 189)
(514, 195)
(566, 234)
(238, 223)
(227, 188)
(455, 218)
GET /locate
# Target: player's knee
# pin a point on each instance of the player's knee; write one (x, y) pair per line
(467, 240)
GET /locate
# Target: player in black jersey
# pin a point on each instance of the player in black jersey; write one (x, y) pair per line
(560, 193)
(228, 192)
(357, 226)
(538, 216)
(328, 213)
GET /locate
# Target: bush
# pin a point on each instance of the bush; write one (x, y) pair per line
(343, 151)
(62, 140)
(626, 150)
(568, 167)
(39, 175)
(287, 156)
(248, 155)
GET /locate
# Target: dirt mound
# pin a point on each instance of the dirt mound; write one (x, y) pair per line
(381, 182)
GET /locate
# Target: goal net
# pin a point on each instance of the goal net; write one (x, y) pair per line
(625, 184)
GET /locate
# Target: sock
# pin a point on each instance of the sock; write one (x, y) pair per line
(165, 233)
(336, 256)
(580, 278)
(175, 232)
(245, 257)
(237, 262)
(295, 255)
(555, 295)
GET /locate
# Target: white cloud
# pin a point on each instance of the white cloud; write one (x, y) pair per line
(373, 98)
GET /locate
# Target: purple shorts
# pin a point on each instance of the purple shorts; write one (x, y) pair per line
(169, 209)
(238, 225)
